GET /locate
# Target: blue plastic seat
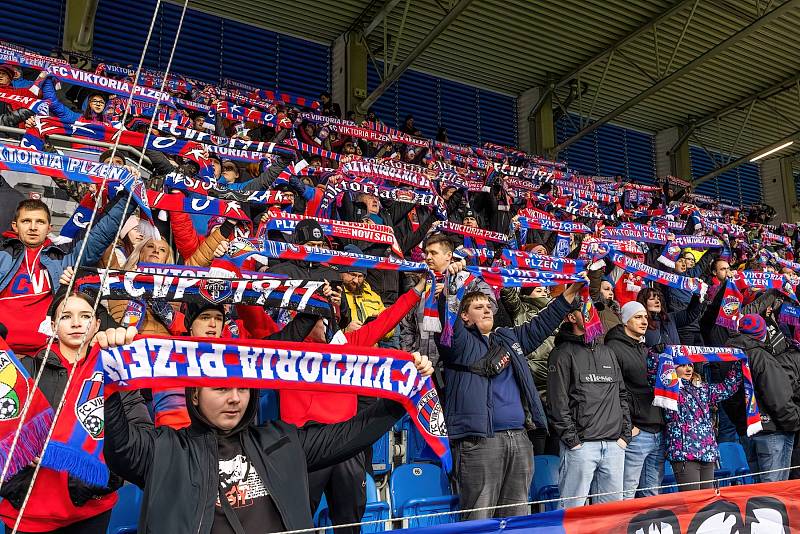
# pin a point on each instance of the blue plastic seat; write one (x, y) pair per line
(381, 455)
(733, 459)
(267, 406)
(376, 510)
(418, 489)
(417, 449)
(544, 485)
(125, 514)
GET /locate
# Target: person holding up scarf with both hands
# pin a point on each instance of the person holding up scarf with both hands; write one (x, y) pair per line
(60, 502)
(492, 402)
(187, 464)
(691, 442)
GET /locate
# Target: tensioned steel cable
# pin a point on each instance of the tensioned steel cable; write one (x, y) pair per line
(119, 228)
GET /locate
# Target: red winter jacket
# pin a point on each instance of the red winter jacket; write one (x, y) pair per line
(299, 406)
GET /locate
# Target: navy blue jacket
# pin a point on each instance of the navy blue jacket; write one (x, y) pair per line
(468, 399)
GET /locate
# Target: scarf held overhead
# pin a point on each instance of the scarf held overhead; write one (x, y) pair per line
(667, 389)
(373, 233)
(74, 169)
(155, 362)
(286, 251)
(693, 285)
(300, 295)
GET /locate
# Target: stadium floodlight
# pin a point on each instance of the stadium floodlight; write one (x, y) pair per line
(771, 151)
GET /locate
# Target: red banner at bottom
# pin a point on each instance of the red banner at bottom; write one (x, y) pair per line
(754, 509)
(772, 508)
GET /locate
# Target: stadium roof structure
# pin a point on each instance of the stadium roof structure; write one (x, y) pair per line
(727, 70)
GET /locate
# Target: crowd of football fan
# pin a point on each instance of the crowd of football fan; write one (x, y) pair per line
(517, 378)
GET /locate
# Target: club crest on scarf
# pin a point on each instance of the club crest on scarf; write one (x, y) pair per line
(562, 246)
(430, 414)
(9, 396)
(89, 409)
(215, 290)
(730, 305)
(669, 376)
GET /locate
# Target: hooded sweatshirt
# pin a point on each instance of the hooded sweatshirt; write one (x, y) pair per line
(242, 487)
(632, 355)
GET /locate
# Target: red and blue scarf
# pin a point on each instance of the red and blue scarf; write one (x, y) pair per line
(529, 260)
(94, 81)
(373, 233)
(286, 251)
(74, 169)
(667, 388)
(77, 442)
(299, 295)
(692, 285)
(17, 394)
(368, 371)
(23, 98)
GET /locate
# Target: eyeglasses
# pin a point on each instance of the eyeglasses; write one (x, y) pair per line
(97, 101)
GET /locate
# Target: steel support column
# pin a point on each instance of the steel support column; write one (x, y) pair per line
(541, 125)
(79, 26)
(709, 54)
(680, 164)
(395, 74)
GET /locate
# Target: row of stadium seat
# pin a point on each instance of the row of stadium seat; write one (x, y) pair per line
(422, 488)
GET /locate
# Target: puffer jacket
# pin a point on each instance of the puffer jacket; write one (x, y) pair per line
(690, 431)
(586, 395)
(772, 387)
(523, 308)
(632, 358)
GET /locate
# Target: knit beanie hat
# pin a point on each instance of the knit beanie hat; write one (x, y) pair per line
(630, 309)
(192, 311)
(754, 326)
(308, 230)
(130, 224)
(353, 249)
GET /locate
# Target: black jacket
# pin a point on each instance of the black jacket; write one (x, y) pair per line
(178, 469)
(15, 117)
(772, 386)
(586, 394)
(632, 358)
(52, 385)
(9, 198)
